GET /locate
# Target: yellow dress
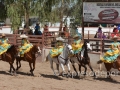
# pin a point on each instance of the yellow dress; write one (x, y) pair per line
(26, 46)
(77, 46)
(54, 52)
(111, 54)
(4, 45)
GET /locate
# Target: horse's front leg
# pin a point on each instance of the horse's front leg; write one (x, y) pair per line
(63, 69)
(57, 65)
(18, 63)
(51, 63)
(84, 68)
(12, 67)
(33, 65)
(91, 69)
(68, 66)
(31, 70)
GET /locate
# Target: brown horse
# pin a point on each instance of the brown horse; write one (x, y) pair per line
(109, 66)
(9, 56)
(29, 57)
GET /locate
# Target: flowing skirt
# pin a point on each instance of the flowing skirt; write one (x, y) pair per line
(110, 56)
(24, 49)
(54, 52)
(4, 47)
(77, 48)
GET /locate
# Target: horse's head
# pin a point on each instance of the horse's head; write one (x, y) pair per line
(68, 48)
(87, 46)
(36, 49)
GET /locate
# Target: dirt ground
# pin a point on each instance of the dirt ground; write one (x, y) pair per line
(44, 80)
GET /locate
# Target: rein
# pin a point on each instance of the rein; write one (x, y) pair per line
(64, 59)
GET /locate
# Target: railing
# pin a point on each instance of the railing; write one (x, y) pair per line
(47, 40)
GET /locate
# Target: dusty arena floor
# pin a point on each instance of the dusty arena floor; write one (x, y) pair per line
(44, 80)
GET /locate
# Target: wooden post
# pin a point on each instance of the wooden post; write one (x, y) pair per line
(88, 35)
(15, 39)
(43, 36)
(82, 23)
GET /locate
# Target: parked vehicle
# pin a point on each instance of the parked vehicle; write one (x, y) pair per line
(2, 23)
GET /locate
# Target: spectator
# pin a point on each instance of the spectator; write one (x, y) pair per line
(115, 31)
(100, 34)
(46, 30)
(65, 31)
(37, 29)
(77, 32)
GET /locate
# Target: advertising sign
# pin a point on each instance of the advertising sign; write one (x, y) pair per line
(101, 12)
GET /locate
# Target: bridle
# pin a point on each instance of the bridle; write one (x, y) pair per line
(37, 54)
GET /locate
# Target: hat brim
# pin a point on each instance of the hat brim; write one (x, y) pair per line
(23, 36)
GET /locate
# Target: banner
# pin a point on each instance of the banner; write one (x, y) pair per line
(101, 12)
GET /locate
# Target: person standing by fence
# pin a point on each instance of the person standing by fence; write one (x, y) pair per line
(37, 29)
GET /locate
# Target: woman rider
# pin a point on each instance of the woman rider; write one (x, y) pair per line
(77, 44)
(25, 45)
(111, 55)
(57, 50)
(4, 44)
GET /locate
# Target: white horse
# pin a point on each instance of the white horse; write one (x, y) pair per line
(62, 59)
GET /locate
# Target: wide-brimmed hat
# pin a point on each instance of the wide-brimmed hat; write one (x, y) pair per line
(114, 37)
(115, 26)
(23, 36)
(76, 36)
(3, 35)
(100, 26)
(60, 39)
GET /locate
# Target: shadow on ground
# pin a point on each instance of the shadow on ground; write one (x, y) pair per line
(52, 76)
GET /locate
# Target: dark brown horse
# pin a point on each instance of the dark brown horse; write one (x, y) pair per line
(83, 61)
(109, 66)
(86, 59)
(9, 56)
(29, 57)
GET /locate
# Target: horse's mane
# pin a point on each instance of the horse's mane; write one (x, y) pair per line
(85, 47)
(9, 49)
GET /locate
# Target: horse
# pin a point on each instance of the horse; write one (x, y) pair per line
(9, 56)
(29, 57)
(109, 66)
(85, 60)
(62, 59)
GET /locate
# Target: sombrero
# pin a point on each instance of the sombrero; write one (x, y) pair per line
(3, 35)
(100, 26)
(115, 26)
(23, 36)
(59, 39)
(76, 36)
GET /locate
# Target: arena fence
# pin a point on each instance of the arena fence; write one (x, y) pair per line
(47, 40)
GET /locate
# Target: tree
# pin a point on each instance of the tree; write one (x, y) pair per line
(3, 10)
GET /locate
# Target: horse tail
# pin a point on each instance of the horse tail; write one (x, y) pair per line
(47, 58)
(99, 62)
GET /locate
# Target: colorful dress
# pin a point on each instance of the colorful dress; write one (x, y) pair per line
(26, 46)
(56, 50)
(111, 54)
(4, 45)
(77, 46)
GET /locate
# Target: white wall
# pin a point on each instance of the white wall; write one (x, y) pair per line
(92, 30)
